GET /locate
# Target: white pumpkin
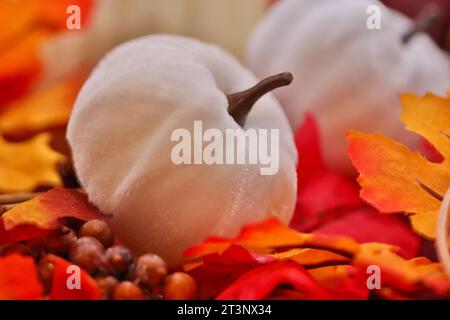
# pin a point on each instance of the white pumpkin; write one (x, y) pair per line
(120, 136)
(348, 76)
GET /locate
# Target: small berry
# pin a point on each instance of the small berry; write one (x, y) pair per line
(99, 230)
(86, 252)
(180, 286)
(127, 290)
(150, 270)
(107, 285)
(61, 244)
(118, 260)
(46, 269)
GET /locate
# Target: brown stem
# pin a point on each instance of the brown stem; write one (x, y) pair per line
(428, 18)
(240, 103)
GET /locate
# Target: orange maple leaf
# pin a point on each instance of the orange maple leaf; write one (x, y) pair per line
(396, 179)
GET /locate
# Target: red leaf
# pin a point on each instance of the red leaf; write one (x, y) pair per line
(18, 278)
(368, 225)
(218, 271)
(321, 198)
(307, 140)
(262, 282)
(60, 291)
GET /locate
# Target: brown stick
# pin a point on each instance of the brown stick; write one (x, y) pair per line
(241, 103)
(12, 198)
(428, 18)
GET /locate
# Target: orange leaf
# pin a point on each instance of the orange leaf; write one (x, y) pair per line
(29, 164)
(19, 278)
(408, 276)
(310, 258)
(272, 234)
(19, 17)
(41, 110)
(60, 290)
(395, 179)
(41, 215)
(343, 281)
(262, 282)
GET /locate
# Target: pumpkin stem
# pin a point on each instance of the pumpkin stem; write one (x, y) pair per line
(428, 17)
(240, 103)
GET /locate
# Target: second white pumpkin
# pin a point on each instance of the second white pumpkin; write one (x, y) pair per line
(347, 75)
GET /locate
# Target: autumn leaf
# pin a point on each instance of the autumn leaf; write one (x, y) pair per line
(411, 277)
(63, 269)
(41, 110)
(272, 234)
(395, 179)
(29, 164)
(19, 17)
(19, 278)
(21, 66)
(40, 216)
(311, 258)
(217, 271)
(342, 281)
(262, 282)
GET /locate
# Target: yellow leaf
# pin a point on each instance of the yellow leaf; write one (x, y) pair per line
(396, 179)
(27, 165)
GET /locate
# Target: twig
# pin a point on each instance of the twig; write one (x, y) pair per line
(17, 197)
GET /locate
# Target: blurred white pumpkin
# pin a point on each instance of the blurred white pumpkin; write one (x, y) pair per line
(348, 76)
(227, 23)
